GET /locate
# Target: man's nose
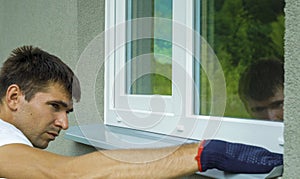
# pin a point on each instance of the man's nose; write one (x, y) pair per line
(273, 114)
(62, 121)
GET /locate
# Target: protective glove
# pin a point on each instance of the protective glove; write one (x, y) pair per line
(236, 158)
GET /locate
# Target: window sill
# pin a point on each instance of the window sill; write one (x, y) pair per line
(111, 137)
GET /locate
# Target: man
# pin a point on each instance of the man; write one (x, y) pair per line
(37, 91)
(261, 89)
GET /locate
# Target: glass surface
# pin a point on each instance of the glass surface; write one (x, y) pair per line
(240, 32)
(150, 58)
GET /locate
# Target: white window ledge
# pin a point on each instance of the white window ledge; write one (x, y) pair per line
(112, 137)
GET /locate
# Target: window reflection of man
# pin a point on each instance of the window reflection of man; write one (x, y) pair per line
(261, 89)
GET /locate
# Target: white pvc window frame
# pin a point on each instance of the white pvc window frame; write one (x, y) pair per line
(177, 118)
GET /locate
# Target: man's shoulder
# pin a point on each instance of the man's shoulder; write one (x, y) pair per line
(10, 134)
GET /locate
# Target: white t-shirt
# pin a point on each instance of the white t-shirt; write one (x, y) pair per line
(9, 134)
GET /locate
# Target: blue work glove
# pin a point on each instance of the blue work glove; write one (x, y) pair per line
(236, 158)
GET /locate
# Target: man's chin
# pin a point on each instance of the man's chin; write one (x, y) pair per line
(42, 146)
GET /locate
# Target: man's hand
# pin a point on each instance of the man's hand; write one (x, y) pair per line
(236, 158)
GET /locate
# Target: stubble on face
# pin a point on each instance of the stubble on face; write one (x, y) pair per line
(37, 117)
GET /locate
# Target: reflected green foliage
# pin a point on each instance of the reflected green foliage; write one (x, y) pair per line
(240, 32)
(245, 31)
(159, 82)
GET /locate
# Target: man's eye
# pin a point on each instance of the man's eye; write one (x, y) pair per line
(69, 111)
(277, 104)
(55, 106)
(258, 109)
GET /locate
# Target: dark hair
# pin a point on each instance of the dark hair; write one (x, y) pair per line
(261, 80)
(33, 69)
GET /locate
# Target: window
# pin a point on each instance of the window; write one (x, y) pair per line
(167, 71)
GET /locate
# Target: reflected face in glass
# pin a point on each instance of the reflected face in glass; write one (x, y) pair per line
(271, 108)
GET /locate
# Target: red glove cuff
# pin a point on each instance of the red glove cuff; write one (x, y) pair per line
(198, 157)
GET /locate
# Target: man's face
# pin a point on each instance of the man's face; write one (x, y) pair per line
(271, 108)
(42, 118)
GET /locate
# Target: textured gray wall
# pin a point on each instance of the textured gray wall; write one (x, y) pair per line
(91, 18)
(52, 26)
(292, 87)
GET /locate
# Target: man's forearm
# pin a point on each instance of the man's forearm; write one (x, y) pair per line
(20, 161)
(147, 163)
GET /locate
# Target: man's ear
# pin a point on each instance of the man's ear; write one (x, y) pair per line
(13, 96)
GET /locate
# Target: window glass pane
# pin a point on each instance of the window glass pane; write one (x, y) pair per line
(241, 33)
(150, 65)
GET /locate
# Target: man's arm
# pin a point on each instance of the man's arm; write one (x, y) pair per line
(21, 161)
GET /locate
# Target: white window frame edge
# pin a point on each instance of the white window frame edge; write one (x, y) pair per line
(254, 132)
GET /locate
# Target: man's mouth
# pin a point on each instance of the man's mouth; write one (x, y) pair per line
(52, 135)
